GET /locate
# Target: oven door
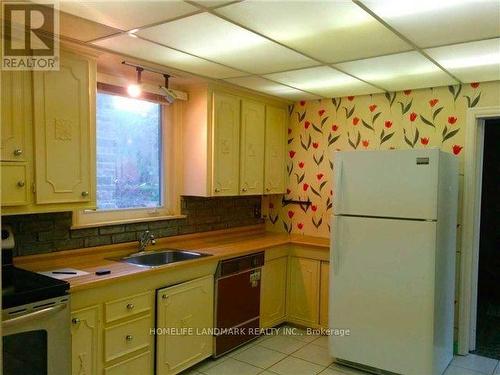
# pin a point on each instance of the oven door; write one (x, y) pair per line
(37, 338)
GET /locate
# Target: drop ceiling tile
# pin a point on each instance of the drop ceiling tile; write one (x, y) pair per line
(208, 36)
(437, 22)
(331, 31)
(398, 72)
(143, 49)
(127, 15)
(474, 61)
(271, 88)
(82, 29)
(324, 81)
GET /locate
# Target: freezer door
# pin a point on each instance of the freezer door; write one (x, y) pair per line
(382, 290)
(401, 184)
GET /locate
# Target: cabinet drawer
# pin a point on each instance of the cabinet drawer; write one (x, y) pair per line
(125, 307)
(133, 366)
(127, 337)
(14, 184)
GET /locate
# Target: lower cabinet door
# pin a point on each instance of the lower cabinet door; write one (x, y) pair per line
(85, 341)
(273, 292)
(303, 293)
(324, 294)
(184, 319)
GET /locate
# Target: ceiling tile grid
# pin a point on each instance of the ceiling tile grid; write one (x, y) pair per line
(304, 49)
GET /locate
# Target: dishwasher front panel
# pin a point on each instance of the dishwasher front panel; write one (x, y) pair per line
(238, 298)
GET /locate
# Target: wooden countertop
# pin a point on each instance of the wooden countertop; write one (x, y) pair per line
(220, 244)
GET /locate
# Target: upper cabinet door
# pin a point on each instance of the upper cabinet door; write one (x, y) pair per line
(16, 115)
(252, 148)
(226, 145)
(274, 174)
(64, 114)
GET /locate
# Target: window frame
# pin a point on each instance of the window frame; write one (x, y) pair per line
(170, 153)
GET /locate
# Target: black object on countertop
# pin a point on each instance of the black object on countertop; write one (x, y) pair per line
(102, 272)
(20, 287)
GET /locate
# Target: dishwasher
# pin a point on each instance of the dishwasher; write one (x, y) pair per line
(237, 292)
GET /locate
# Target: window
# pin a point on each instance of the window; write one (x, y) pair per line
(128, 135)
(136, 160)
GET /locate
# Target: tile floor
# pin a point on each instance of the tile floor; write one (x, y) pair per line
(300, 354)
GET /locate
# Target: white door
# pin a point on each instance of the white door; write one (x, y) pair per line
(386, 183)
(382, 290)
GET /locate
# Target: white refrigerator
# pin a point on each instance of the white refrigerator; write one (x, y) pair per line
(393, 244)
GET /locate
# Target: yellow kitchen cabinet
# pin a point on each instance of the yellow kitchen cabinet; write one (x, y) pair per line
(15, 184)
(273, 292)
(140, 364)
(226, 148)
(187, 309)
(64, 119)
(303, 291)
(324, 294)
(85, 339)
(223, 142)
(275, 150)
(16, 106)
(252, 147)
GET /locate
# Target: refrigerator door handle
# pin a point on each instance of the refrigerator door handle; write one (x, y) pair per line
(337, 181)
(335, 247)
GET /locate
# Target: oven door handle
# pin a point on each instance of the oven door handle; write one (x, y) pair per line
(34, 315)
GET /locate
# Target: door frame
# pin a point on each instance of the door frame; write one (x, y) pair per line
(471, 216)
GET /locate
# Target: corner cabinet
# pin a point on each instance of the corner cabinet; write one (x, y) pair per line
(64, 117)
(48, 137)
(273, 292)
(275, 150)
(233, 143)
(188, 310)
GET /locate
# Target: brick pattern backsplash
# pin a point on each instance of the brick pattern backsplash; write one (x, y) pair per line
(43, 233)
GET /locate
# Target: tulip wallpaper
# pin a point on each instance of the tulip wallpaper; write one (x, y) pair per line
(433, 117)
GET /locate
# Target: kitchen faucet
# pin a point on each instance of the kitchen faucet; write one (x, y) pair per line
(145, 239)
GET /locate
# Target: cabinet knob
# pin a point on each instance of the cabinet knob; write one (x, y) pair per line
(164, 296)
(244, 189)
(130, 306)
(75, 320)
(85, 193)
(129, 337)
(20, 184)
(18, 152)
(217, 190)
(268, 189)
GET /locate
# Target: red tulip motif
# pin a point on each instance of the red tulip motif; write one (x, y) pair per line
(288, 191)
(315, 144)
(452, 120)
(319, 176)
(407, 92)
(433, 102)
(321, 112)
(424, 141)
(305, 186)
(290, 214)
(474, 85)
(372, 107)
(302, 103)
(350, 98)
(365, 142)
(388, 124)
(355, 121)
(335, 127)
(456, 149)
(314, 208)
(301, 165)
(307, 124)
(300, 225)
(413, 116)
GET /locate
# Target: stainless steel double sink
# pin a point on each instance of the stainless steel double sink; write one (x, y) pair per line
(158, 258)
